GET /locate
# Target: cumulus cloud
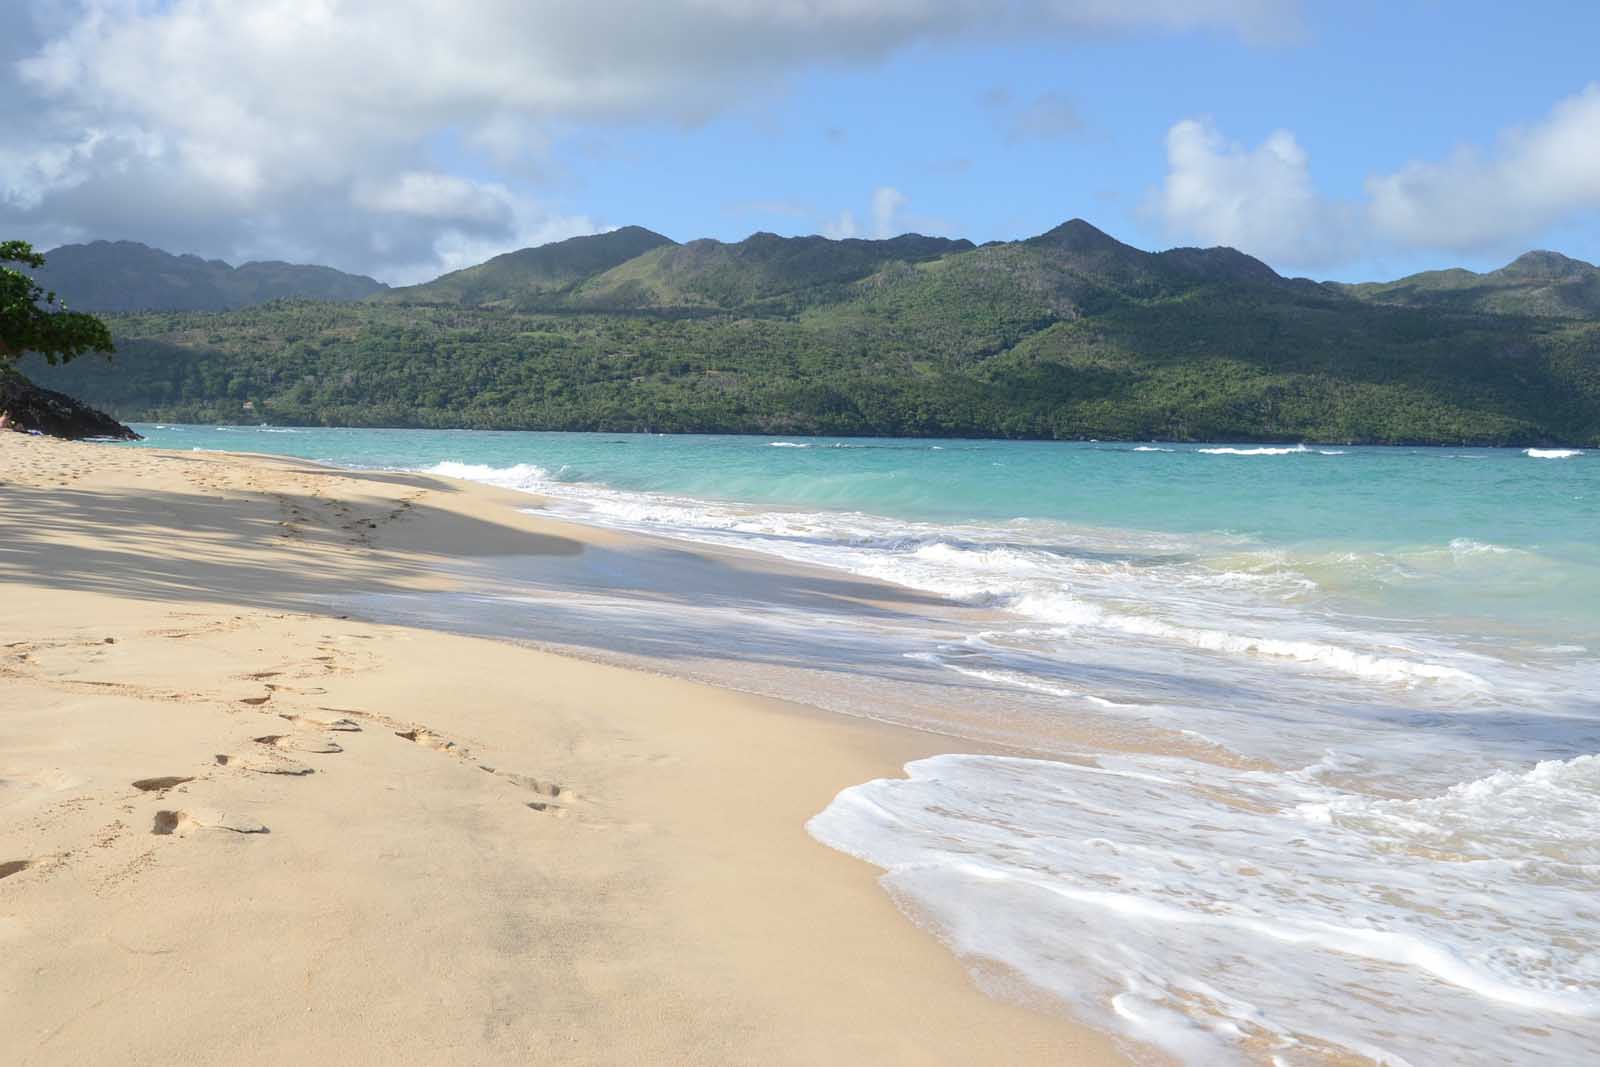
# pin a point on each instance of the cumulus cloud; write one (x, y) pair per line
(1262, 200)
(1535, 175)
(242, 129)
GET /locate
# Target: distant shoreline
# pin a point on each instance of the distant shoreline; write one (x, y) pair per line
(1284, 442)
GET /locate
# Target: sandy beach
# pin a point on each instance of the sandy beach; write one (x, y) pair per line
(236, 827)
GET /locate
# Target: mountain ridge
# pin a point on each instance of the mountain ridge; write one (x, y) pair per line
(1539, 283)
(598, 272)
(1071, 334)
(110, 276)
(516, 277)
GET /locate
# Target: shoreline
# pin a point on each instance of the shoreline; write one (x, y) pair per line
(1262, 441)
(513, 853)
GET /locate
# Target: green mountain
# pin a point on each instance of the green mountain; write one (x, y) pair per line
(1071, 334)
(532, 276)
(128, 276)
(764, 273)
(1536, 283)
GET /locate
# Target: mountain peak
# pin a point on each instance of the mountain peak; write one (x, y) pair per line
(1545, 265)
(623, 237)
(1076, 235)
(636, 233)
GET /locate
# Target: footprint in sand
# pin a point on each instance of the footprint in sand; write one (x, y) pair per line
(548, 789)
(264, 766)
(322, 722)
(554, 809)
(160, 785)
(10, 867)
(183, 822)
(554, 798)
(426, 739)
(292, 743)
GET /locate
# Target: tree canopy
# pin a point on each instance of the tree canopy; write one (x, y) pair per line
(31, 319)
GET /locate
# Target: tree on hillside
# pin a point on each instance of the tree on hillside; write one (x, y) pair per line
(31, 320)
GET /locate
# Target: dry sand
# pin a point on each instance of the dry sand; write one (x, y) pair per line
(237, 829)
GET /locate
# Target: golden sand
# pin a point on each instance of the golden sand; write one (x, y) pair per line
(235, 828)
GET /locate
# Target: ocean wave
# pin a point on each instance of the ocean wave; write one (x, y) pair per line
(1152, 448)
(1221, 913)
(787, 444)
(1031, 580)
(1265, 450)
(1553, 453)
(1270, 450)
(1069, 611)
(526, 476)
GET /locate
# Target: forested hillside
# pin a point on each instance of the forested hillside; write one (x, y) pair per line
(1068, 335)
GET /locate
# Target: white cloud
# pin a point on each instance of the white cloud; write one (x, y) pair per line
(1536, 175)
(229, 128)
(886, 204)
(883, 212)
(1260, 200)
(432, 195)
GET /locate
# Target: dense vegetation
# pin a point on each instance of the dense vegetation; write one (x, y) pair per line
(32, 319)
(1068, 335)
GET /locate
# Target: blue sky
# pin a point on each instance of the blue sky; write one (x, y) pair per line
(1264, 126)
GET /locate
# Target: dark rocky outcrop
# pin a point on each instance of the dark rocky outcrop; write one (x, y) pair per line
(54, 414)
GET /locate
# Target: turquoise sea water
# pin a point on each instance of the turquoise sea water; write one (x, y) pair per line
(1347, 796)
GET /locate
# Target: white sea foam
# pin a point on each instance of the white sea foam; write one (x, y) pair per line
(787, 444)
(528, 476)
(1263, 451)
(1552, 453)
(1206, 909)
(1152, 448)
(1271, 450)
(973, 565)
(1066, 609)
(1465, 546)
